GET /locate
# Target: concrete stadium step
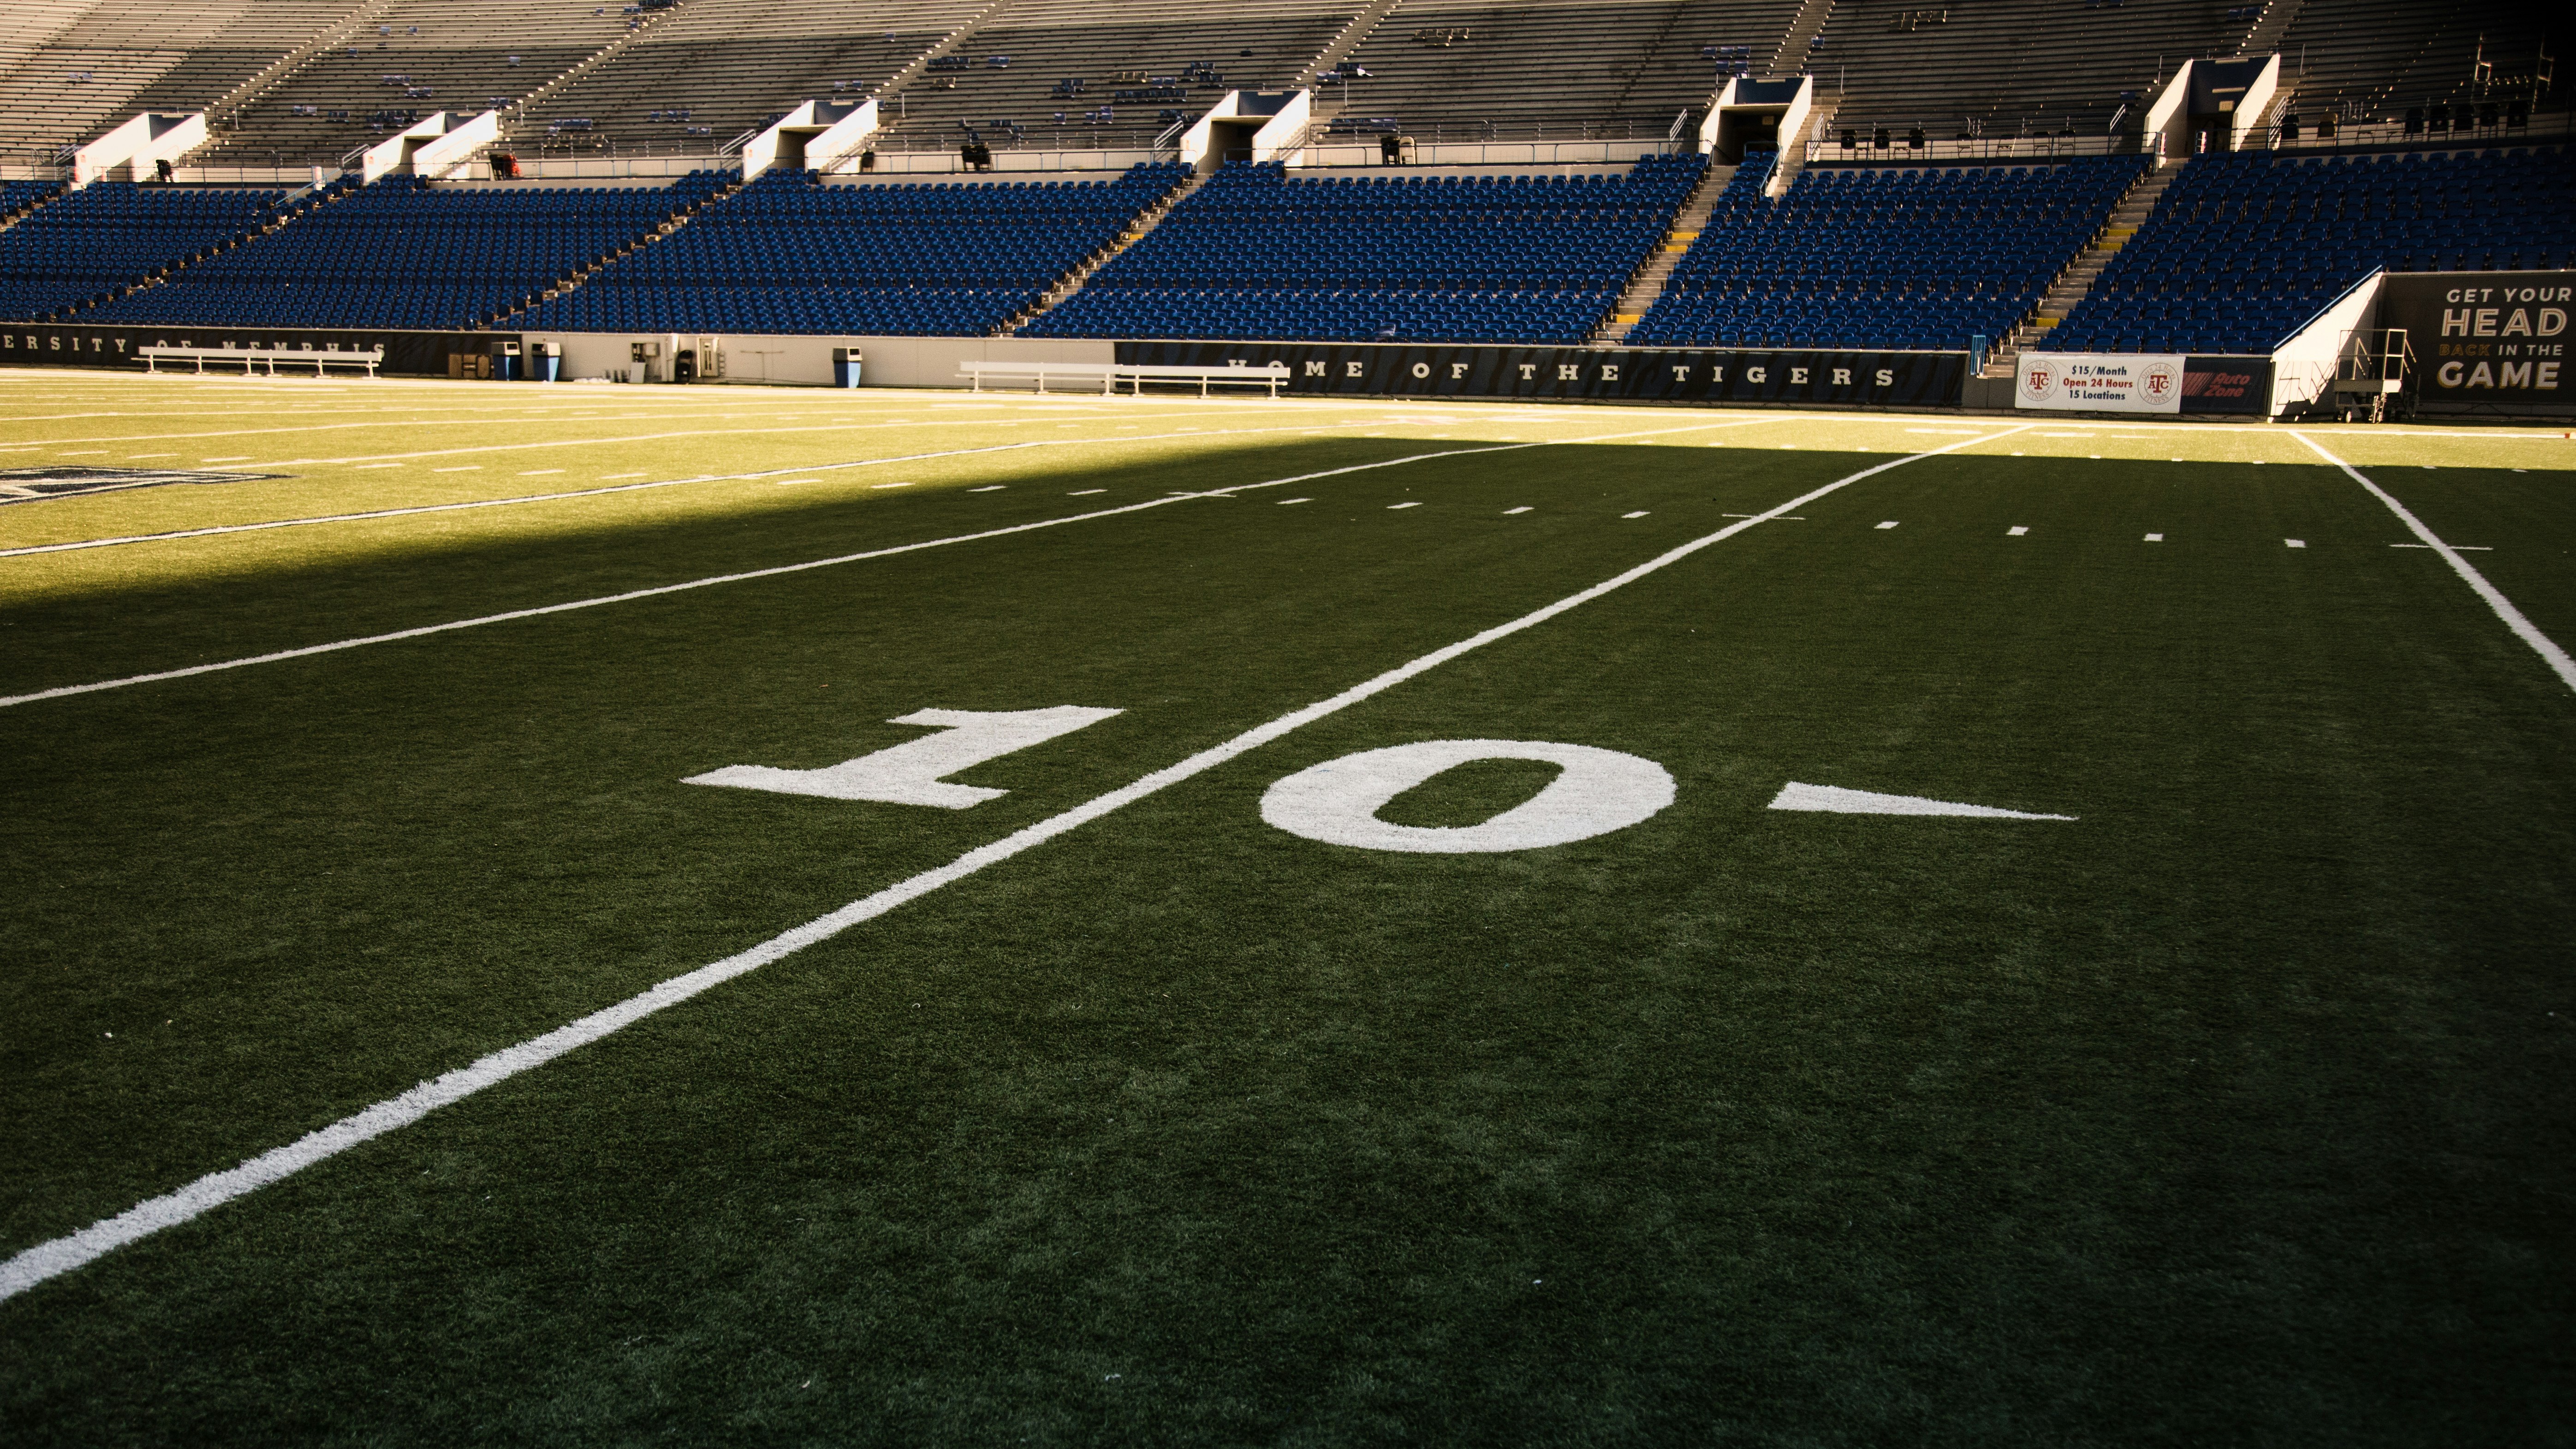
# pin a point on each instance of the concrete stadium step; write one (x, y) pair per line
(1344, 43)
(669, 226)
(1648, 283)
(2076, 282)
(2274, 23)
(1791, 58)
(517, 111)
(1149, 219)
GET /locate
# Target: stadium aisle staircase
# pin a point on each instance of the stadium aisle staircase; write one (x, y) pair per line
(2243, 250)
(1648, 284)
(1132, 234)
(108, 239)
(2076, 282)
(790, 254)
(1259, 254)
(1882, 256)
(404, 254)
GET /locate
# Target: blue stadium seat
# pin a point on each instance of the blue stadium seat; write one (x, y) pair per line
(791, 254)
(404, 254)
(2244, 250)
(1257, 253)
(1884, 257)
(111, 236)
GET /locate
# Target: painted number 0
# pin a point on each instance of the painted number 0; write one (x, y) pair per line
(1595, 792)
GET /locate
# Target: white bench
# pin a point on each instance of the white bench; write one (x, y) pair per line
(1109, 375)
(251, 357)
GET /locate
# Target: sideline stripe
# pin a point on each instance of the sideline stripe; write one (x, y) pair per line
(61, 1255)
(61, 691)
(2541, 644)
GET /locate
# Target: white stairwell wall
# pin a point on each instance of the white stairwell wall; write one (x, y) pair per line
(132, 148)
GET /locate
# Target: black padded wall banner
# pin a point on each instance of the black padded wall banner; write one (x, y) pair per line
(415, 354)
(2485, 341)
(2227, 385)
(1851, 379)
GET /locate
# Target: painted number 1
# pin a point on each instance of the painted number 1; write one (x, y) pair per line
(911, 773)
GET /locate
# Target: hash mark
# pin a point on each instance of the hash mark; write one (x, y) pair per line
(2015, 531)
(1891, 523)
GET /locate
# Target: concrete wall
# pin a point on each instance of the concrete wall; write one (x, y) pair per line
(2304, 367)
(890, 361)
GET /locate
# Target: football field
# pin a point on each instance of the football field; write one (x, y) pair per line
(599, 915)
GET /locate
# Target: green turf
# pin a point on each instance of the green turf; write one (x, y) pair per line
(2235, 1111)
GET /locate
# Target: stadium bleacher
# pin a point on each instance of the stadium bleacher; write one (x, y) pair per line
(1882, 256)
(790, 253)
(715, 68)
(2373, 60)
(2010, 67)
(415, 57)
(108, 237)
(1862, 251)
(401, 253)
(1459, 258)
(1462, 69)
(1135, 62)
(98, 63)
(2242, 250)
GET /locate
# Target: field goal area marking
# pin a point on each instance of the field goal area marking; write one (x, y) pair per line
(2529, 633)
(57, 1256)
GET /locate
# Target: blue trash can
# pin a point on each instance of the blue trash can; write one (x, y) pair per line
(845, 366)
(549, 361)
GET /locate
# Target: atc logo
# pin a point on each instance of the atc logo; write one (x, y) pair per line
(2158, 384)
(2037, 380)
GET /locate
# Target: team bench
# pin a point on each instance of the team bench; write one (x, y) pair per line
(1109, 375)
(250, 357)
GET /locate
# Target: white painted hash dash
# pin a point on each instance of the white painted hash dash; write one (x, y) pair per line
(2015, 531)
(1891, 523)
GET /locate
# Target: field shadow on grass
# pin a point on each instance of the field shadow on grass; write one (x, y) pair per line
(1192, 1132)
(138, 608)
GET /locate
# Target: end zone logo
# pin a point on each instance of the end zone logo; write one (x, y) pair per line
(2159, 381)
(2036, 380)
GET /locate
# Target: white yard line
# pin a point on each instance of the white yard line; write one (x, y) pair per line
(2541, 644)
(61, 1255)
(425, 630)
(581, 492)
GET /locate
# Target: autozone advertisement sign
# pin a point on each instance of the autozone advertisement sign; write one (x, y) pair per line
(2100, 382)
(2486, 340)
